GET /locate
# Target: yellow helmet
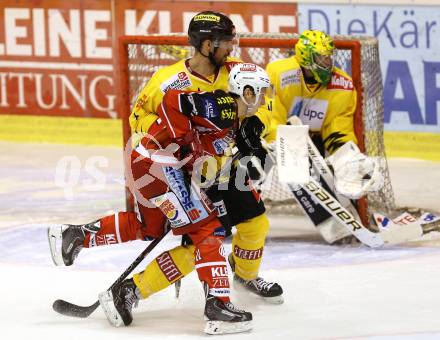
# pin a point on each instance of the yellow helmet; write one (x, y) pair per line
(313, 43)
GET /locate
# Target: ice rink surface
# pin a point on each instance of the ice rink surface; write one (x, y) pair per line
(331, 292)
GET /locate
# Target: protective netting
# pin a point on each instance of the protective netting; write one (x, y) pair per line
(147, 54)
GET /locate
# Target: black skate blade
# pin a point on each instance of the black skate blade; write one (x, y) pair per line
(70, 309)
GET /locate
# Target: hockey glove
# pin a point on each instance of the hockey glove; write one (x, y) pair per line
(355, 173)
(248, 136)
(258, 165)
(191, 147)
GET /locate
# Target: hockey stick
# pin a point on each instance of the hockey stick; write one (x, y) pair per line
(70, 309)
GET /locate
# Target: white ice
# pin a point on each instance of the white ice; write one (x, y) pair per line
(331, 292)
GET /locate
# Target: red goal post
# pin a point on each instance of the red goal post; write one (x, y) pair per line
(141, 56)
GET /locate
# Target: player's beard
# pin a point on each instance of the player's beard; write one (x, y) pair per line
(221, 61)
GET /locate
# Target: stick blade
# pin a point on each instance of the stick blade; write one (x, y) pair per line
(70, 309)
(292, 154)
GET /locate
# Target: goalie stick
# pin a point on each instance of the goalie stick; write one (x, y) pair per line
(70, 309)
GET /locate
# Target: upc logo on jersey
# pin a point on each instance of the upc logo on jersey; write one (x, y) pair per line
(340, 82)
(177, 82)
(292, 77)
(311, 111)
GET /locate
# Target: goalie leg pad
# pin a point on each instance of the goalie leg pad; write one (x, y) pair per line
(331, 230)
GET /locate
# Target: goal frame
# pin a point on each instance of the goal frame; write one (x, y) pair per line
(124, 105)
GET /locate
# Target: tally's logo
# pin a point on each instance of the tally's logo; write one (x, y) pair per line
(248, 67)
(340, 82)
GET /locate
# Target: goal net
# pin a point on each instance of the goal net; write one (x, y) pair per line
(141, 56)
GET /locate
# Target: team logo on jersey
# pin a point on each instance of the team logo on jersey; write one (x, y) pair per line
(179, 81)
(340, 82)
(292, 77)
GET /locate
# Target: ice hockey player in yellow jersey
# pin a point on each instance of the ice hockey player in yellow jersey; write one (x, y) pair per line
(309, 87)
(207, 70)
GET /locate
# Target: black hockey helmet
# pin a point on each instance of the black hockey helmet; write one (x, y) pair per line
(210, 25)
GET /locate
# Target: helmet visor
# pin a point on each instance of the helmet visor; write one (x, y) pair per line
(322, 66)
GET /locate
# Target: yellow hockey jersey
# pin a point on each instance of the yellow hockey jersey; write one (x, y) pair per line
(178, 76)
(328, 110)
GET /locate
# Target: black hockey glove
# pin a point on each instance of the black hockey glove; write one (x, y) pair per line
(248, 136)
(260, 166)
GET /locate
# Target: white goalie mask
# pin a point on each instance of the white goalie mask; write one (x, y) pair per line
(247, 74)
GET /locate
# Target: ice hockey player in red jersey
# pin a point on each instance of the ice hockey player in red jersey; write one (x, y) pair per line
(191, 127)
(212, 35)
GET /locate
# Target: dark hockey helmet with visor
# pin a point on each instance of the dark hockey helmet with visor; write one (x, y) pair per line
(209, 25)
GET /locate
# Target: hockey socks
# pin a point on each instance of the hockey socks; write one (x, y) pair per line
(118, 228)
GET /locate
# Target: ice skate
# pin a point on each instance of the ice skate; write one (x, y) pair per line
(65, 241)
(225, 318)
(271, 292)
(118, 303)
